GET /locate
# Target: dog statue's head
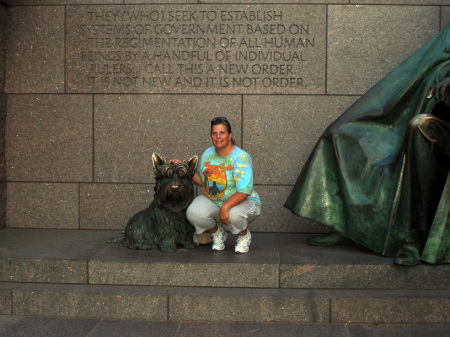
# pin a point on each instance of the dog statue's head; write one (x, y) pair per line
(174, 189)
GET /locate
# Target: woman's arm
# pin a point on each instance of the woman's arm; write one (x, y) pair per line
(196, 179)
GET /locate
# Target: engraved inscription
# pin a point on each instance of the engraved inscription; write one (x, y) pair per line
(195, 49)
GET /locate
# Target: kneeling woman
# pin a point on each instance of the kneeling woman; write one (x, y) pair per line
(229, 202)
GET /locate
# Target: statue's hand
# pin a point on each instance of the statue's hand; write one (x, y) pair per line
(441, 92)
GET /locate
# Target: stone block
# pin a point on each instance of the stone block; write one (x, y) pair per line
(61, 2)
(276, 218)
(389, 307)
(41, 205)
(44, 326)
(109, 206)
(35, 49)
(80, 301)
(47, 271)
(249, 305)
(261, 329)
(2, 47)
(129, 2)
(399, 2)
(6, 322)
(49, 138)
(281, 131)
(172, 126)
(2, 137)
(429, 277)
(416, 330)
(365, 43)
(305, 266)
(189, 267)
(52, 256)
(445, 16)
(299, 2)
(2, 205)
(52, 244)
(5, 303)
(190, 49)
(134, 328)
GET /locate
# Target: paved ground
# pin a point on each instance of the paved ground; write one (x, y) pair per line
(55, 327)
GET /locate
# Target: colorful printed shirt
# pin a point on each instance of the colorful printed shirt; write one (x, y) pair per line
(224, 176)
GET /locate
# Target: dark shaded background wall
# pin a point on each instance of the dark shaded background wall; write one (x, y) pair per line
(82, 120)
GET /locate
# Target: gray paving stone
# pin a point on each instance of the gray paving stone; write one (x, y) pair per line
(212, 329)
(365, 43)
(126, 2)
(398, 330)
(186, 267)
(154, 123)
(251, 305)
(277, 161)
(389, 306)
(305, 266)
(42, 144)
(42, 205)
(277, 219)
(232, 50)
(49, 255)
(60, 2)
(35, 57)
(429, 277)
(6, 322)
(279, 1)
(58, 271)
(98, 210)
(81, 301)
(50, 327)
(134, 328)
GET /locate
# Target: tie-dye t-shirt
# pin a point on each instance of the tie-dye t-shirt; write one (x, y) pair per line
(224, 176)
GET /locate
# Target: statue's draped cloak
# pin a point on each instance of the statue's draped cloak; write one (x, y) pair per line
(351, 181)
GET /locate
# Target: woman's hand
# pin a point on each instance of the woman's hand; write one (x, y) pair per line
(234, 200)
(224, 215)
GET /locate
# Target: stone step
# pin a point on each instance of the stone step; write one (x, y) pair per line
(275, 261)
(225, 304)
(76, 273)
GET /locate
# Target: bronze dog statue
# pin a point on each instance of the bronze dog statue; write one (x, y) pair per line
(164, 224)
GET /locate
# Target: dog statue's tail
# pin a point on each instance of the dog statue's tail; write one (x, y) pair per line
(118, 238)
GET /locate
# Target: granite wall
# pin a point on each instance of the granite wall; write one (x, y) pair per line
(2, 116)
(95, 87)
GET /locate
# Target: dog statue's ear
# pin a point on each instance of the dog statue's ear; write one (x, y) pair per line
(158, 161)
(192, 164)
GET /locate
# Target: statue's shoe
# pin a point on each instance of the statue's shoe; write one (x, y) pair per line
(408, 255)
(328, 240)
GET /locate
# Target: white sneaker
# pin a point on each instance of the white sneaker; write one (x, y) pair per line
(243, 243)
(218, 239)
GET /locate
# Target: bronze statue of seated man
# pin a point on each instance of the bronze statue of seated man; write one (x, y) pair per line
(379, 174)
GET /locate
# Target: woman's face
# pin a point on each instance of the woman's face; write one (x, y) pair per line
(220, 137)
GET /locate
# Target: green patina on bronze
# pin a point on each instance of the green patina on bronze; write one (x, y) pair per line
(164, 224)
(352, 180)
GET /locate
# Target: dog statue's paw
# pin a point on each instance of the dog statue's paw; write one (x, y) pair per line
(189, 245)
(168, 248)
